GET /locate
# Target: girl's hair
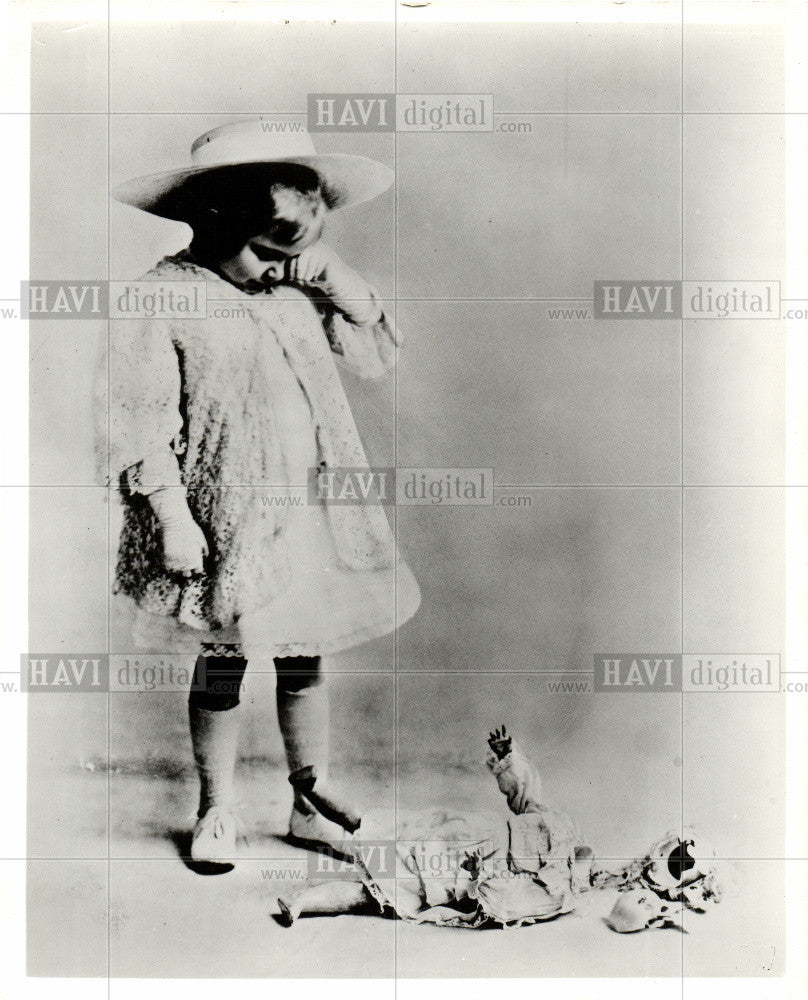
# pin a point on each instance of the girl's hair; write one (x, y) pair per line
(228, 206)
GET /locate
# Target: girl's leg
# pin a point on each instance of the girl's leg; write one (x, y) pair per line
(326, 899)
(302, 701)
(214, 718)
(302, 698)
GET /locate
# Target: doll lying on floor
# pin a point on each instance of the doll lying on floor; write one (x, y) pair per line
(474, 868)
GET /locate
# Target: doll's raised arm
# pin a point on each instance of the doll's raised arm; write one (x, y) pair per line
(517, 778)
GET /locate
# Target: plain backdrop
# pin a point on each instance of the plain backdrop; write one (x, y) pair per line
(656, 504)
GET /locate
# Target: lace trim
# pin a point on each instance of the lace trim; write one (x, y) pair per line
(230, 649)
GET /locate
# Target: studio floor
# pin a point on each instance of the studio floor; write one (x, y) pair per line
(126, 905)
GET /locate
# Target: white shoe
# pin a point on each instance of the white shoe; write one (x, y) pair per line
(214, 839)
(312, 828)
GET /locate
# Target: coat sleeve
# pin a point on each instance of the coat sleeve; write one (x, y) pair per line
(137, 397)
(367, 350)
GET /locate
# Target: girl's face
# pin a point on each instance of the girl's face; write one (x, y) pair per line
(296, 222)
(258, 216)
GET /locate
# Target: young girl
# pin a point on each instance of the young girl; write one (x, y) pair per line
(212, 427)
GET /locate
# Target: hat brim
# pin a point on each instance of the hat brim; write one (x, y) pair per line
(345, 179)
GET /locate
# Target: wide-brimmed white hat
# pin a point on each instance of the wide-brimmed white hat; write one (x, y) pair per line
(345, 179)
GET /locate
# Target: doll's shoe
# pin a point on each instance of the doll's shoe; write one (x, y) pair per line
(214, 838)
(287, 918)
(312, 829)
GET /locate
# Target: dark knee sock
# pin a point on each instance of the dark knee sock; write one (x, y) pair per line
(216, 683)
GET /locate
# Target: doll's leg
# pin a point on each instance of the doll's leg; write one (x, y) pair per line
(302, 698)
(327, 899)
(214, 716)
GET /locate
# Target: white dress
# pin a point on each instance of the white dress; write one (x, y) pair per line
(326, 606)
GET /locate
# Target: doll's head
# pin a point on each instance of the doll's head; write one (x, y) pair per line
(278, 210)
(674, 863)
(637, 909)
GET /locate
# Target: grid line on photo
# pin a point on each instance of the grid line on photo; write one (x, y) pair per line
(497, 486)
(508, 114)
(109, 502)
(395, 511)
(286, 859)
(438, 672)
(682, 437)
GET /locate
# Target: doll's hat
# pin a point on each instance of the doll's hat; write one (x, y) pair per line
(345, 179)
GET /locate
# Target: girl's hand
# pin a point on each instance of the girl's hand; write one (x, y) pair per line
(184, 548)
(184, 545)
(319, 266)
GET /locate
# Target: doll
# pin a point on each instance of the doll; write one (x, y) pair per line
(477, 869)
(461, 868)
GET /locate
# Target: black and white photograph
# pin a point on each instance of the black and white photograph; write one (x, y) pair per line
(404, 480)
